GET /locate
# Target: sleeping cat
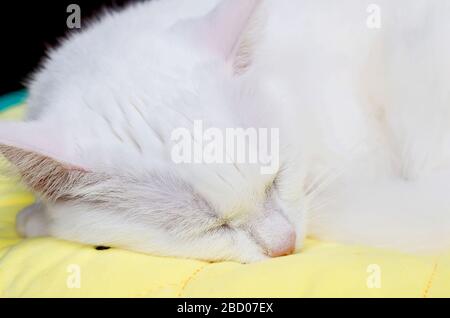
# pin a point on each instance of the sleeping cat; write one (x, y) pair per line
(362, 111)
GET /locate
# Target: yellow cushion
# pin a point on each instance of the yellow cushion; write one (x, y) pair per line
(47, 267)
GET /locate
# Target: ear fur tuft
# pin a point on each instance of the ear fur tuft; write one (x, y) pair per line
(44, 175)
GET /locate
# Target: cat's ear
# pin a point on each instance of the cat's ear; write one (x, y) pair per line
(40, 158)
(231, 31)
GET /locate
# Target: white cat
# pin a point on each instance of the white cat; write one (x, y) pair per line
(363, 111)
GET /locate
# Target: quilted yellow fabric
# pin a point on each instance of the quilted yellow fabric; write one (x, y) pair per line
(47, 267)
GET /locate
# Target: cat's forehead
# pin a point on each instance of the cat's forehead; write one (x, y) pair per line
(131, 143)
(235, 190)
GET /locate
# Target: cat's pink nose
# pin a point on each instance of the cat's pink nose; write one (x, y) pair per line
(286, 246)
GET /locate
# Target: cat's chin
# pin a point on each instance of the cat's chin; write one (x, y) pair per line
(253, 259)
(246, 258)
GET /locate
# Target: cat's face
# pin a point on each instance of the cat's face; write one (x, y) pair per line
(161, 212)
(140, 198)
(163, 215)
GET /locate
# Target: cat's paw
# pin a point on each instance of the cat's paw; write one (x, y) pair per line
(32, 221)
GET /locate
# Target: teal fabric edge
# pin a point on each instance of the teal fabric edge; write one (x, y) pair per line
(12, 99)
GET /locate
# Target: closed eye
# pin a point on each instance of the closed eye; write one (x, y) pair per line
(222, 227)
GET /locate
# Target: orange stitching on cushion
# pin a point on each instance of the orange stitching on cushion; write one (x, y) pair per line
(190, 278)
(430, 281)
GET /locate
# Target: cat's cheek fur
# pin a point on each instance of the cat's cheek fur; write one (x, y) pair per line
(90, 225)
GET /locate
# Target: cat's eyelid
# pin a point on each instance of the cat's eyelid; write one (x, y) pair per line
(222, 228)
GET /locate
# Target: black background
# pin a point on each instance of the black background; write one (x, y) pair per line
(29, 28)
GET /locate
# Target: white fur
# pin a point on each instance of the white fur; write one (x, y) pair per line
(363, 113)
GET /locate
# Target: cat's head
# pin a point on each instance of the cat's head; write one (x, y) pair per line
(147, 202)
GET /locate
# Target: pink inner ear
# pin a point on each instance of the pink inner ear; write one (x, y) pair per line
(38, 138)
(222, 29)
(227, 24)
